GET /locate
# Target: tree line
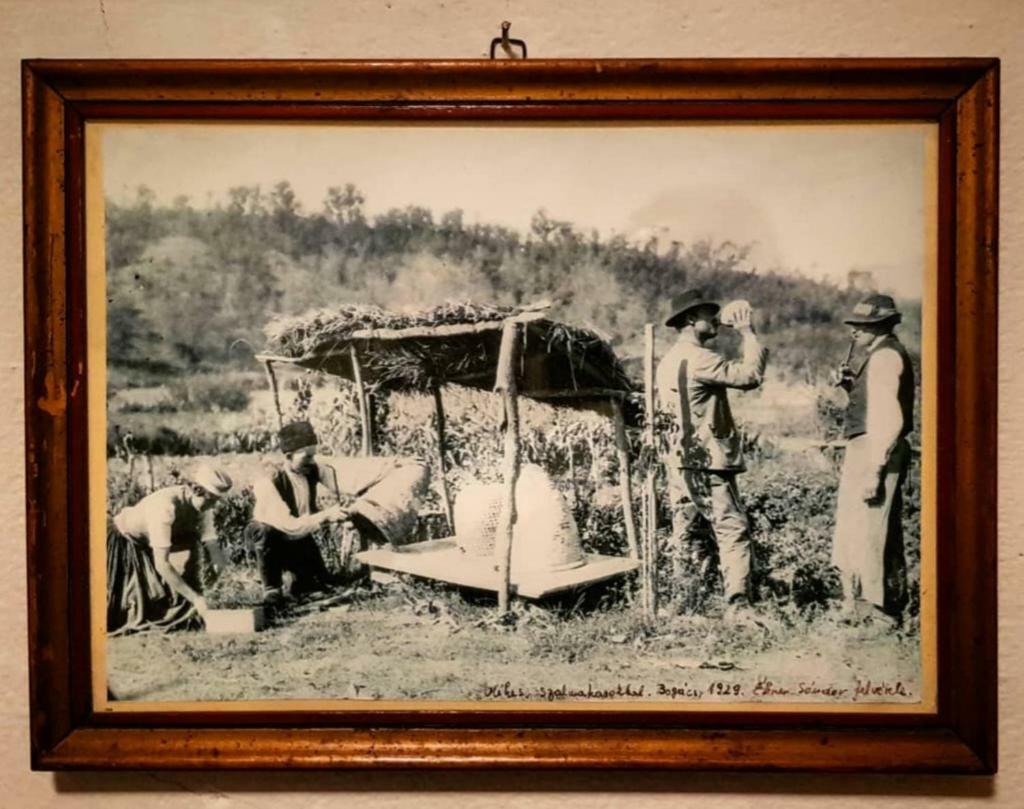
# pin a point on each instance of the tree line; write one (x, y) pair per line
(191, 288)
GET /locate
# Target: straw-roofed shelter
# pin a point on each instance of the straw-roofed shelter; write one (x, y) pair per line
(516, 351)
(453, 344)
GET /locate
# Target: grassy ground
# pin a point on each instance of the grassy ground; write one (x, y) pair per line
(416, 640)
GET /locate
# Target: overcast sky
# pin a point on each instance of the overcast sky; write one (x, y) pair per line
(818, 199)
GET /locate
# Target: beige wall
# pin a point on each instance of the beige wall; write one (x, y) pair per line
(457, 28)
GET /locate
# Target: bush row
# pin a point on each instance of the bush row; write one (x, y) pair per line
(790, 507)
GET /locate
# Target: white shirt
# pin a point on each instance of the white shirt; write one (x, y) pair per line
(884, 418)
(272, 510)
(153, 518)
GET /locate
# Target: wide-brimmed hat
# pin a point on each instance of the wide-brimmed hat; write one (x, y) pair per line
(212, 479)
(681, 304)
(297, 435)
(874, 309)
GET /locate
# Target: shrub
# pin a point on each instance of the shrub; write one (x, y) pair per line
(162, 440)
(233, 513)
(145, 407)
(209, 393)
(830, 412)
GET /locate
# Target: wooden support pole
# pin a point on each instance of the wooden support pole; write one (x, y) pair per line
(364, 402)
(651, 522)
(625, 485)
(129, 453)
(371, 421)
(572, 475)
(650, 564)
(272, 379)
(442, 465)
(505, 383)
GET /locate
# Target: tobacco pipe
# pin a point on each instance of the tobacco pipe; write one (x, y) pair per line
(849, 351)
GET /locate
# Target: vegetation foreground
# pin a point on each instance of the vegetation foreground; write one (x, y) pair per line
(415, 639)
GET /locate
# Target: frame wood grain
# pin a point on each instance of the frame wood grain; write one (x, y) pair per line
(60, 97)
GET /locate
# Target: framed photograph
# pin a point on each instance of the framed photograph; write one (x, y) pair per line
(614, 413)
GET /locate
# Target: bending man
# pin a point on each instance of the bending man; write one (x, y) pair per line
(154, 554)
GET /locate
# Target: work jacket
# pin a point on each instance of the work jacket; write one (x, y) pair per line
(693, 383)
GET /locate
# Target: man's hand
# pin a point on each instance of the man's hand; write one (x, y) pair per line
(872, 492)
(201, 606)
(334, 514)
(744, 319)
(841, 377)
(739, 315)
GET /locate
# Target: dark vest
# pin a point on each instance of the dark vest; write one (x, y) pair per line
(283, 484)
(857, 407)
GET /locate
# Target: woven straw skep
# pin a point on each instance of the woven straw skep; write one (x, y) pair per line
(545, 538)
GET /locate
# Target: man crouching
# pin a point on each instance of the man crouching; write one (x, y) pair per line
(286, 515)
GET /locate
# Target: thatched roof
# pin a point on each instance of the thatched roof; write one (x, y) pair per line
(452, 344)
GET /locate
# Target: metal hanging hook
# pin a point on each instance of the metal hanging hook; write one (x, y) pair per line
(507, 43)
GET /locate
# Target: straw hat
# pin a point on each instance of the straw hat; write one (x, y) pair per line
(212, 479)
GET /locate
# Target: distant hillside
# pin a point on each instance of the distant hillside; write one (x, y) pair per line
(192, 288)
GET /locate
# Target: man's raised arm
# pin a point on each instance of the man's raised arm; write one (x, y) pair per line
(746, 373)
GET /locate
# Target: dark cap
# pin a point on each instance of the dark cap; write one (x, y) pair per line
(874, 309)
(681, 304)
(295, 436)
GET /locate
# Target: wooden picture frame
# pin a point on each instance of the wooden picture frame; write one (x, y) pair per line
(61, 97)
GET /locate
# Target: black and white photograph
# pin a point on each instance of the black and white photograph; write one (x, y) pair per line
(581, 415)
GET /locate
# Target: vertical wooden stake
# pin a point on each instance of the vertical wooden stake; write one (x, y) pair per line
(442, 466)
(625, 485)
(272, 379)
(505, 382)
(126, 444)
(371, 421)
(364, 404)
(572, 474)
(651, 506)
(650, 502)
(152, 477)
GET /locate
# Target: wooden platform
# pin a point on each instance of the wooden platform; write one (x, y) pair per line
(441, 559)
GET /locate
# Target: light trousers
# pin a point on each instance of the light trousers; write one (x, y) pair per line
(712, 498)
(867, 546)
